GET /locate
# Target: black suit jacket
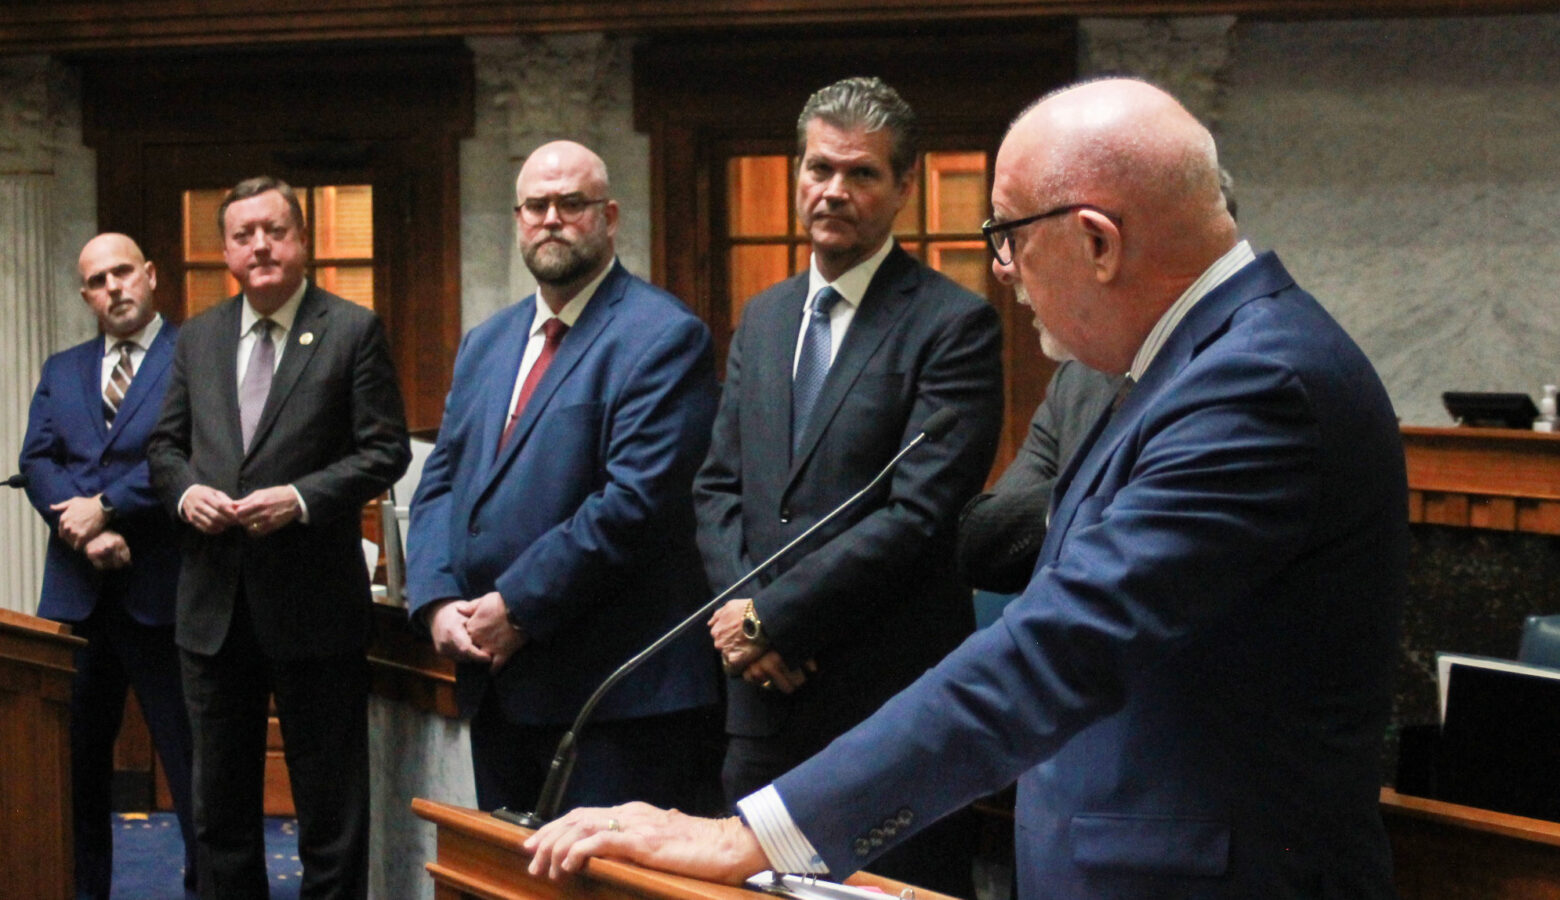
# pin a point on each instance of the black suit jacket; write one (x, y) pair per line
(333, 427)
(874, 598)
(1000, 532)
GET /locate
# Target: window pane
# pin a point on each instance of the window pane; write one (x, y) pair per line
(756, 194)
(964, 261)
(205, 288)
(202, 237)
(956, 192)
(344, 221)
(754, 268)
(909, 219)
(355, 283)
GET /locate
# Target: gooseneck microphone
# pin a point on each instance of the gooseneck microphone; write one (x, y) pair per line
(16, 481)
(936, 426)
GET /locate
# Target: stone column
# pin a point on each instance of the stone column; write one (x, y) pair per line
(27, 251)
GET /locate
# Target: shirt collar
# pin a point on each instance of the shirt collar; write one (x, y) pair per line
(283, 317)
(571, 311)
(1222, 269)
(142, 339)
(852, 285)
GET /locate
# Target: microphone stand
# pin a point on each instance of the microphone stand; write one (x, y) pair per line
(562, 764)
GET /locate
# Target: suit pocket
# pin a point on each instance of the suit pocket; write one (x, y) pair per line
(1158, 844)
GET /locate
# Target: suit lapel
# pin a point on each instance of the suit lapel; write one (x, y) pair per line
(773, 358)
(313, 319)
(225, 365)
(886, 299)
(575, 344)
(500, 378)
(91, 380)
(153, 363)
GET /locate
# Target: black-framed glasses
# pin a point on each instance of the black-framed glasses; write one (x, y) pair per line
(997, 232)
(533, 210)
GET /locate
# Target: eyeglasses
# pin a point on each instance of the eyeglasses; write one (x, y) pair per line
(997, 232)
(533, 210)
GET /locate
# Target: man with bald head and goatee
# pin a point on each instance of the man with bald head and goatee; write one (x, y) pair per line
(1193, 688)
(552, 534)
(112, 569)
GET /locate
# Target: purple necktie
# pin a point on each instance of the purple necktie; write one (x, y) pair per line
(257, 380)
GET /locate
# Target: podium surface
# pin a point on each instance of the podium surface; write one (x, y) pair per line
(37, 663)
(481, 857)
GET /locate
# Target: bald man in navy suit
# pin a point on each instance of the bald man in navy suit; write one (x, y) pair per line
(113, 557)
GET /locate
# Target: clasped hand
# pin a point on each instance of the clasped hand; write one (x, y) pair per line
(259, 513)
(476, 631)
(757, 663)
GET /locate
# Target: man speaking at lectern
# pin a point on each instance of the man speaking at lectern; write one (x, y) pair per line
(1193, 688)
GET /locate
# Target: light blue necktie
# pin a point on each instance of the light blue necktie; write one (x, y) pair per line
(813, 364)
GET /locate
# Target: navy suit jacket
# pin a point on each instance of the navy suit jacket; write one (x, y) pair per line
(874, 598)
(1194, 685)
(332, 427)
(583, 522)
(69, 452)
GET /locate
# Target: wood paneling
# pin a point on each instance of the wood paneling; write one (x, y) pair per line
(1443, 851)
(54, 25)
(1484, 478)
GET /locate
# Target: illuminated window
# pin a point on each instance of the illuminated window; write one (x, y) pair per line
(940, 224)
(340, 222)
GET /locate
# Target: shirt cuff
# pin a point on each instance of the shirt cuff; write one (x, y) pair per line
(303, 508)
(180, 505)
(782, 841)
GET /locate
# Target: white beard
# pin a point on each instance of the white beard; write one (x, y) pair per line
(1049, 345)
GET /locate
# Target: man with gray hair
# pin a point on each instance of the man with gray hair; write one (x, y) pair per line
(869, 343)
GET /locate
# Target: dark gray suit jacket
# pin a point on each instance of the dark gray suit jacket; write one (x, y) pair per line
(874, 598)
(333, 427)
(1000, 531)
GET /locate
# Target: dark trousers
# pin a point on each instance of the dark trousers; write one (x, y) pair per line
(665, 760)
(940, 857)
(322, 704)
(122, 653)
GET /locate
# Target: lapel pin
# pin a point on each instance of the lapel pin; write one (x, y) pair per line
(306, 338)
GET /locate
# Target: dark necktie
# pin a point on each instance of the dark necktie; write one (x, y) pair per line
(118, 383)
(553, 329)
(812, 366)
(256, 385)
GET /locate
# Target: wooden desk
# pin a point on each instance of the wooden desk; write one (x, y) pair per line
(1449, 852)
(37, 663)
(1484, 478)
(480, 857)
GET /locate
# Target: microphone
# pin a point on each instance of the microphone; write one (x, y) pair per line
(16, 481)
(936, 426)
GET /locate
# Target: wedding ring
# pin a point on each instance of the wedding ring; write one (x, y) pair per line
(612, 825)
(768, 684)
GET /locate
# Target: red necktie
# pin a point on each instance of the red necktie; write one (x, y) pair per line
(553, 329)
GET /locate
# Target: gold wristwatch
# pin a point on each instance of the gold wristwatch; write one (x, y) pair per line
(752, 628)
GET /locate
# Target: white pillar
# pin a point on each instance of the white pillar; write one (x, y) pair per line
(26, 317)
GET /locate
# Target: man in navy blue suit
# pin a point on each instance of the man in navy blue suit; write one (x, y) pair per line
(1193, 688)
(113, 558)
(552, 532)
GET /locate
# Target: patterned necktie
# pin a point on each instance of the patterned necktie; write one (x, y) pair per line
(118, 383)
(553, 329)
(813, 364)
(256, 385)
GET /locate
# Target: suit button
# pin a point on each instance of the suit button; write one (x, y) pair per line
(905, 817)
(862, 847)
(785, 516)
(876, 835)
(103, 463)
(473, 531)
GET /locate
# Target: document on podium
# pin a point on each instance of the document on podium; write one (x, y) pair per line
(807, 887)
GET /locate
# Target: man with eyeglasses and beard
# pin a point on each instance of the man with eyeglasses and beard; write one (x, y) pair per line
(552, 534)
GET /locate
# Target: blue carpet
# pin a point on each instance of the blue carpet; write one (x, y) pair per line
(149, 857)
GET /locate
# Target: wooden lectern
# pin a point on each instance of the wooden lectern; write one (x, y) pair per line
(37, 661)
(480, 857)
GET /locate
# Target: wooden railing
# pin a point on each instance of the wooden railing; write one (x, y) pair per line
(1484, 478)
